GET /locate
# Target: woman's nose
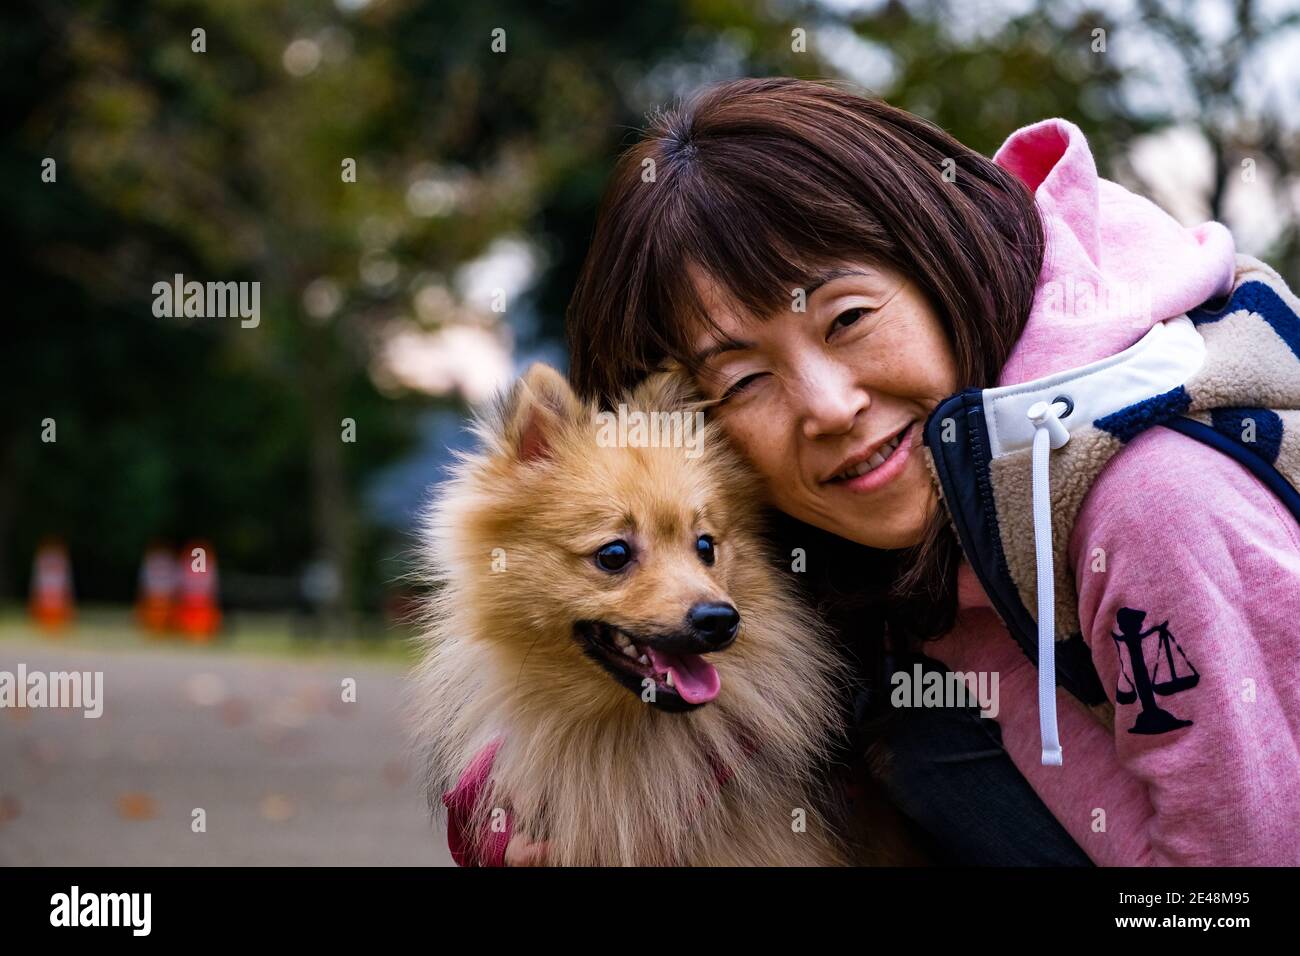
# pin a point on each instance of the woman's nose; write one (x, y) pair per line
(832, 400)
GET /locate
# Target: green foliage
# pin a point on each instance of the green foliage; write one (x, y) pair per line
(225, 165)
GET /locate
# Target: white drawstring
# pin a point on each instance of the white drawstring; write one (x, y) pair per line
(1049, 433)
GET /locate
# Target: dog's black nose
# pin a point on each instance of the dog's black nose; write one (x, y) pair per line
(714, 622)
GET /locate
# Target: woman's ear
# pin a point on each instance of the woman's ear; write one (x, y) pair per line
(539, 406)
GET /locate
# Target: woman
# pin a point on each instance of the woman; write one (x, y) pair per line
(839, 275)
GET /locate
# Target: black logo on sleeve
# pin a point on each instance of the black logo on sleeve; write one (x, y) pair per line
(1143, 683)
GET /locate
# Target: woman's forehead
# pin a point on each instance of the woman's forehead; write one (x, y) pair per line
(725, 317)
(722, 318)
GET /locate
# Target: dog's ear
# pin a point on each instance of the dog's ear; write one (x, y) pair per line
(541, 403)
(670, 388)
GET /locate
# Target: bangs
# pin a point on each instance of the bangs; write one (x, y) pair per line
(761, 188)
(757, 231)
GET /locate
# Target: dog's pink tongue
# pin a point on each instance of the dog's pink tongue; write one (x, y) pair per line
(693, 677)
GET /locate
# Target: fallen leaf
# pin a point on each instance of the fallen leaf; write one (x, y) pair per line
(136, 806)
(234, 712)
(313, 699)
(148, 748)
(44, 751)
(395, 773)
(342, 708)
(205, 690)
(10, 808)
(287, 712)
(277, 808)
(348, 789)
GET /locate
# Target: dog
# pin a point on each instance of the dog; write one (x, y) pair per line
(609, 627)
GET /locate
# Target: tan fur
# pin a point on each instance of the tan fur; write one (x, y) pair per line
(585, 765)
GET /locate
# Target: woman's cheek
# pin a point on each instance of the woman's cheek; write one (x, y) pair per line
(763, 452)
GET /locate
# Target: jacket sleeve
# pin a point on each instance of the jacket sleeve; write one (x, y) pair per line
(1188, 572)
(470, 838)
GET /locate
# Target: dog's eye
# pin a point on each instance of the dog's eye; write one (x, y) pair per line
(614, 556)
(704, 548)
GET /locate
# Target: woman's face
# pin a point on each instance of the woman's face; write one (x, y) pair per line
(828, 403)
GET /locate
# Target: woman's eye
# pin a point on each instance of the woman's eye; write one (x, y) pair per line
(705, 548)
(847, 318)
(613, 557)
(740, 385)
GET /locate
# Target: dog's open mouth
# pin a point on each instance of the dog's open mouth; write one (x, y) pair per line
(682, 680)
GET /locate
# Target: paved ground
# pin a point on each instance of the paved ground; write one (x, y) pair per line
(286, 771)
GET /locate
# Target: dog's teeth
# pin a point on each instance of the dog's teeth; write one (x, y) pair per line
(621, 640)
(643, 659)
(669, 679)
(629, 651)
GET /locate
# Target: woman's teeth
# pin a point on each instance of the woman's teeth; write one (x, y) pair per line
(875, 461)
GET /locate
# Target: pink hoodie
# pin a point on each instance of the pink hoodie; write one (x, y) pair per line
(1189, 535)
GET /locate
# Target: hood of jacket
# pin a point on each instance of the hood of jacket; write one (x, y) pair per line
(1115, 264)
(1118, 340)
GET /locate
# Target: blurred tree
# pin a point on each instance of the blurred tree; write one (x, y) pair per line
(1120, 73)
(231, 158)
(1236, 110)
(472, 128)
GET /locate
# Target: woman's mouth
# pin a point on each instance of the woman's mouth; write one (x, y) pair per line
(879, 468)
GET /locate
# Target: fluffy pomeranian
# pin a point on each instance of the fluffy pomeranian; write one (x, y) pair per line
(610, 631)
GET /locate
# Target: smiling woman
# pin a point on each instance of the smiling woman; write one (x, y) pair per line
(789, 392)
(801, 252)
(1023, 479)
(799, 247)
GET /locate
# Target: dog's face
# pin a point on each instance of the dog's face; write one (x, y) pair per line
(614, 558)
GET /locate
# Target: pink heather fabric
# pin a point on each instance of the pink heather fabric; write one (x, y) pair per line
(1189, 536)
(1102, 237)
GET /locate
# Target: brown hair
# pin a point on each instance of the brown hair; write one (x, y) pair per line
(761, 183)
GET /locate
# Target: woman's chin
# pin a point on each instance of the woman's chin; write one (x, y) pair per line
(886, 539)
(900, 523)
(890, 532)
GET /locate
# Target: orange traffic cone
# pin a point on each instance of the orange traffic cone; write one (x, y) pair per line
(195, 613)
(153, 606)
(51, 600)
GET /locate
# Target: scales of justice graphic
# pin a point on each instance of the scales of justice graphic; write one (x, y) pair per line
(1144, 685)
